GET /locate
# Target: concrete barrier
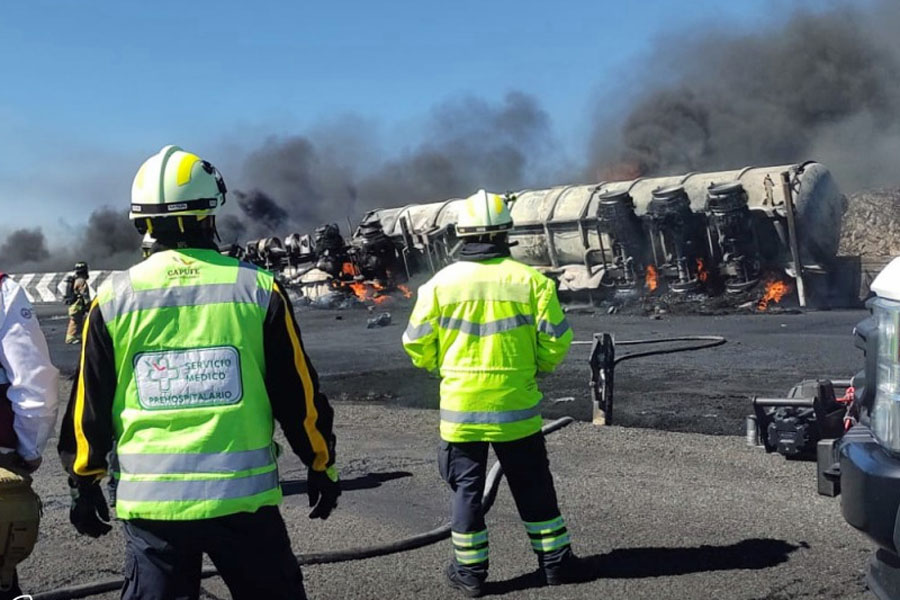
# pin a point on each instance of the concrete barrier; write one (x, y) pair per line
(45, 288)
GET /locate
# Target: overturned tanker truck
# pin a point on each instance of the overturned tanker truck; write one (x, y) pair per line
(707, 232)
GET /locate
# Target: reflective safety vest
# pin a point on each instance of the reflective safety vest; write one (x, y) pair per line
(191, 414)
(487, 327)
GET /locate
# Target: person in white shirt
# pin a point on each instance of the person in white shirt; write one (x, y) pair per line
(29, 399)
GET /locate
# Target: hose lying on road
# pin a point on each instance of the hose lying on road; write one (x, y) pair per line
(492, 484)
(603, 362)
(708, 341)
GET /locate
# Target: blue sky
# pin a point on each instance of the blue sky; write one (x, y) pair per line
(91, 88)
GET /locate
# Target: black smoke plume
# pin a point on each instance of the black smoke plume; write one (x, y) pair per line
(300, 182)
(471, 144)
(822, 85)
(23, 246)
(108, 241)
(260, 208)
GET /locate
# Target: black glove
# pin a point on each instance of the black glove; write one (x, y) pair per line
(89, 512)
(323, 489)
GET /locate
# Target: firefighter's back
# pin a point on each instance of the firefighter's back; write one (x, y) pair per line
(488, 344)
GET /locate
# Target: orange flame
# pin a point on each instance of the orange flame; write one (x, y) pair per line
(775, 291)
(366, 291)
(651, 278)
(702, 273)
(369, 291)
(360, 289)
(379, 296)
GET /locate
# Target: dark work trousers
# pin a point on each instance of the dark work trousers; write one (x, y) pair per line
(463, 466)
(252, 552)
(13, 592)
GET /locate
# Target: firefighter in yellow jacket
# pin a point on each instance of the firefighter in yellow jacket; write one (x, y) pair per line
(487, 325)
(189, 358)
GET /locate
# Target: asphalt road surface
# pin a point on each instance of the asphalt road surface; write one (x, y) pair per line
(668, 504)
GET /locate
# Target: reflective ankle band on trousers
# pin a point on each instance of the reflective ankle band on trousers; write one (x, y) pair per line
(547, 536)
(470, 548)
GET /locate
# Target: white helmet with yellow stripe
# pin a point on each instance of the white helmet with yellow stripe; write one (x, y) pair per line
(175, 183)
(483, 213)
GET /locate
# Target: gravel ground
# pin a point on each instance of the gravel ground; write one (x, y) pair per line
(669, 505)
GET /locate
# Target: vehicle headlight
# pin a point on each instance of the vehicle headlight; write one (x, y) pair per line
(885, 415)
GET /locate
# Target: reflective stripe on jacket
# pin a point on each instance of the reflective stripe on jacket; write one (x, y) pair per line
(487, 327)
(191, 414)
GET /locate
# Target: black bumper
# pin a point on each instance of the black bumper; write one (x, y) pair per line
(883, 576)
(870, 499)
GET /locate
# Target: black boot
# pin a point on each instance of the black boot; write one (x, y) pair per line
(469, 585)
(572, 569)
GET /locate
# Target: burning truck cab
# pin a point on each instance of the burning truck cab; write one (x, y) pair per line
(369, 267)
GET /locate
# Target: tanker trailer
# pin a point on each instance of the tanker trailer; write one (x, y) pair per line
(742, 224)
(558, 230)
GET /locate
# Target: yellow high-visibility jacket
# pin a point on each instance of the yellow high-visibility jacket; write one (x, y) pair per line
(488, 327)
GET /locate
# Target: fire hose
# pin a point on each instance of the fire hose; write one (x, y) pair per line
(603, 362)
(414, 542)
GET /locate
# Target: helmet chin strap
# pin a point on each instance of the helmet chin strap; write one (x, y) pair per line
(501, 237)
(178, 227)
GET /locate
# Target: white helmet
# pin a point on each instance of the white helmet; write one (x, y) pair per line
(483, 213)
(175, 183)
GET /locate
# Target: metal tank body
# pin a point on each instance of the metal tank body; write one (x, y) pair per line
(557, 229)
(420, 218)
(818, 203)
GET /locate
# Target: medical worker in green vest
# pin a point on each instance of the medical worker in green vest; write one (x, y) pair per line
(487, 325)
(189, 358)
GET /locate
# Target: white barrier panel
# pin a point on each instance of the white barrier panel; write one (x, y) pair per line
(51, 287)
